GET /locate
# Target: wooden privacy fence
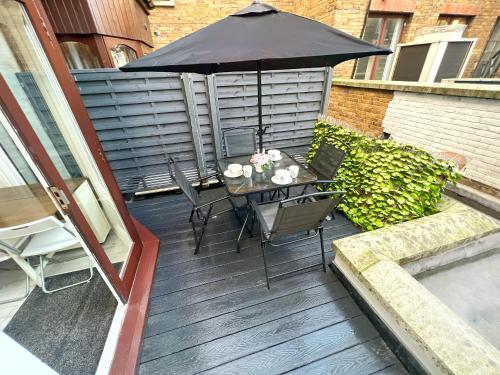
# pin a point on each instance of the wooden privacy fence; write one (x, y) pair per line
(142, 118)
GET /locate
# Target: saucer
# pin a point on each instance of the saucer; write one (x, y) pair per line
(277, 159)
(276, 181)
(227, 173)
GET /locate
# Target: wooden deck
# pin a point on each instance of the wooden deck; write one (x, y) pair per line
(212, 313)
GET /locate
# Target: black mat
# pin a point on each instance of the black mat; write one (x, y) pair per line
(66, 330)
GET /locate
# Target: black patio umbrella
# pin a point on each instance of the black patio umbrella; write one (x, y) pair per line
(259, 37)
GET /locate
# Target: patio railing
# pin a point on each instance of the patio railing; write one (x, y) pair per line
(142, 117)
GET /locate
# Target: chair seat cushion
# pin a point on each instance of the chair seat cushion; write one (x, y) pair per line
(267, 213)
(44, 243)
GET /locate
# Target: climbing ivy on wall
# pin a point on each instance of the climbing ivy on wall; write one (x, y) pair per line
(385, 182)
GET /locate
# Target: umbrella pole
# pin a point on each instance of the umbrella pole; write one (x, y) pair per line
(259, 105)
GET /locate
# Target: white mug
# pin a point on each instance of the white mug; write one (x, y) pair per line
(294, 170)
(234, 168)
(274, 154)
(282, 175)
(247, 171)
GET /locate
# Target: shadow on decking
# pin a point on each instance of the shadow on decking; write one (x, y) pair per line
(212, 312)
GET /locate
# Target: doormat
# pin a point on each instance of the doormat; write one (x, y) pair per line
(66, 330)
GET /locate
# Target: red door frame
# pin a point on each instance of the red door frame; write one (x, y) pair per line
(37, 151)
(127, 351)
(48, 40)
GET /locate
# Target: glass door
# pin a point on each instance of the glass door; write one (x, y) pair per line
(40, 112)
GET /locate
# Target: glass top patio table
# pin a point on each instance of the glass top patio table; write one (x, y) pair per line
(261, 182)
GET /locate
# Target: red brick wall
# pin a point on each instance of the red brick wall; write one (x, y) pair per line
(348, 15)
(188, 16)
(361, 108)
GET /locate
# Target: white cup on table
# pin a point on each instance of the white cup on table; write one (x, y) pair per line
(294, 171)
(234, 169)
(247, 171)
(274, 154)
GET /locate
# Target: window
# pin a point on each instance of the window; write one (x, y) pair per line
(122, 55)
(489, 65)
(453, 20)
(79, 56)
(383, 31)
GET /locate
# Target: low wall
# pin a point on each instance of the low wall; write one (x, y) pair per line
(461, 119)
(373, 263)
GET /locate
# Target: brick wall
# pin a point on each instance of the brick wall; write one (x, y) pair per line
(348, 15)
(361, 108)
(188, 16)
(450, 124)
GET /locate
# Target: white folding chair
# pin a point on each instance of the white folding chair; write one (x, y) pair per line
(38, 239)
(4, 256)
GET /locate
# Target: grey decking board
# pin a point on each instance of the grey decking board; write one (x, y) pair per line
(233, 260)
(248, 246)
(231, 256)
(395, 369)
(225, 349)
(303, 349)
(242, 319)
(330, 230)
(162, 287)
(205, 312)
(172, 319)
(362, 359)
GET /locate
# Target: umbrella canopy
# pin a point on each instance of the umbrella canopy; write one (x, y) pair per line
(259, 37)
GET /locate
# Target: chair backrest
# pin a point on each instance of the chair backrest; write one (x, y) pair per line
(12, 237)
(28, 229)
(239, 142)
(303, 213)
(177, 175)
(327, 161)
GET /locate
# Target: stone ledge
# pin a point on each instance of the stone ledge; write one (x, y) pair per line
(452, 89)
(451, 343)
(406, 242)
(375, 259)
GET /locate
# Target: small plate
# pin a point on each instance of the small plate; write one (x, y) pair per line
(230, 175)
(276, 181)
(277, 159)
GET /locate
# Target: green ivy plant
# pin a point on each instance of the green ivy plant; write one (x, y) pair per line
(385, 182)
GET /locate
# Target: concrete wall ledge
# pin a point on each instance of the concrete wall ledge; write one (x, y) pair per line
(451, 89)
(372, 263)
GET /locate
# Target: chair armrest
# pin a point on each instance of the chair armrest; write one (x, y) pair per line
(206, 177)
(325, 181)
(212, 202)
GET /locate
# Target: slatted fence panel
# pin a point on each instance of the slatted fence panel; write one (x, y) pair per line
(141, 118)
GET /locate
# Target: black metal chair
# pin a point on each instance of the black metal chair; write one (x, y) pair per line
(304, 213)
(239, 141)
(326, 163)
(203, 210)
